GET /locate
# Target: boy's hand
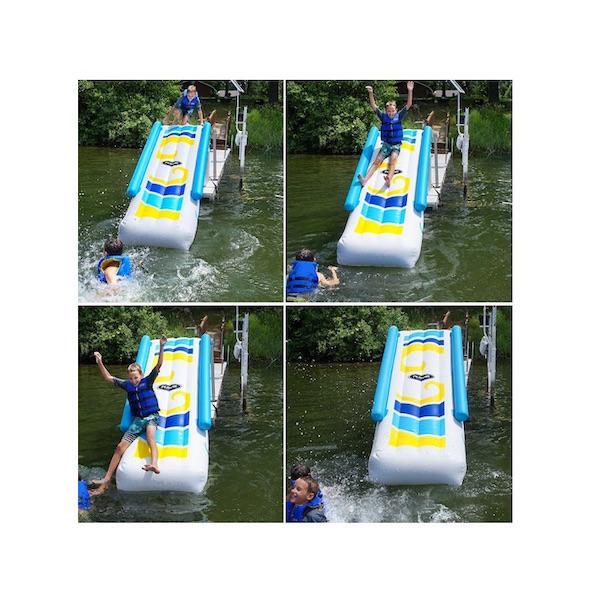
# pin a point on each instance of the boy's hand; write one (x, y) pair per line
(98, 357)
(163, 340)
(369, 88)
(410, 85)
(333, 269)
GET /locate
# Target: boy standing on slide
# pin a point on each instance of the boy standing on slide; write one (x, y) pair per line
(144, 408)
(391, 133)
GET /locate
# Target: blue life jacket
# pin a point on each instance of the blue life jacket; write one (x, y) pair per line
(303, 277)
(84, 501)
(124, 266)
(187, 104)
(142, 399)
(295, 514)
(391, 128)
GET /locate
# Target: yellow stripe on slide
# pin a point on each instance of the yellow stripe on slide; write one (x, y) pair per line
(393, 190)
(145, 211)
(178, 356)
(418, 347)
(174, 181)
(143, 451)
(181, 406)
(163, 378)
(366, 226)
(429, 399)
(404, 438)
(172, 140)
(407, 146)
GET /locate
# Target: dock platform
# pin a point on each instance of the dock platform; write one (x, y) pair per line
(217, 159)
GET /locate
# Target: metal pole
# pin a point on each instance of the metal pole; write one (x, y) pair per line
(447, 134)
(212, 377)
(244, 369)
(214, 141)
(436, 137)
(465, 151)
(492, 356)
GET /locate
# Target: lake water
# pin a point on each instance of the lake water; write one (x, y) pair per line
(245, 471)
(467, 244)
(237, 253)
(329, 427)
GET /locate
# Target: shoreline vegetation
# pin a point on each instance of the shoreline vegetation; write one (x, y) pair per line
(334, 117)
(120, 114)
(357, 334)
(116, 331)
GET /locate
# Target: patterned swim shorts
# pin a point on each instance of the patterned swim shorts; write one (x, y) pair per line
(138, 426)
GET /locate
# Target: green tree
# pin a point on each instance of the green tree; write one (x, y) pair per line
(121, 113)
(116, 331)
(340, 334)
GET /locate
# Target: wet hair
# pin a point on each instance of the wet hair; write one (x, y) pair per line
(390, 102)
(135, 367)
(299, 470)
(113, 247)
(305, 254)
(313, 484)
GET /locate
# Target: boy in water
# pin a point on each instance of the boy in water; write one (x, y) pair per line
(391, 133)
(114, 264)
(307, 506)
(304, 276)
(144, 409)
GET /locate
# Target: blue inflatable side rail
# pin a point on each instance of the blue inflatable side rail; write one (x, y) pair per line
(384, 379)
(204, 383)
(201, 163)
(142, 360)
(459, 388)
(423, 171)
(361, 169)
(140, 170)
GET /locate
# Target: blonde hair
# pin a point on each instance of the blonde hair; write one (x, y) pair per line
(191, 88)
(135, 367)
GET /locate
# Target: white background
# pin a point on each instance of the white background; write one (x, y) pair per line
(550, 53)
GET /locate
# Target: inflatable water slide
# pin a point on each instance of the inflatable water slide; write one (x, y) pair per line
(167, 186)
(385, 227)
(420, 407)
(186, 391)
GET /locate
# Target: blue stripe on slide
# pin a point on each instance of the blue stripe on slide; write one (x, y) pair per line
(179, 134)
(419, 426)
(173, 437)
(185, 349)
(428, 332)
(162, 202)
(376, 213)
(180, 128)
(391, 202)
(429, 410)
(179, 342)
(425, 340)
(171, 190)
(182, 420)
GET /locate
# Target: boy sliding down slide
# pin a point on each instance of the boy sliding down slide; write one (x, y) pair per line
(391, 133)
(144, 408)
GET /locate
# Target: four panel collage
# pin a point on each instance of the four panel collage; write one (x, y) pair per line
(295, 301)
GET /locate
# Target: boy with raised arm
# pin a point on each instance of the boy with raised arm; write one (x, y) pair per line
(144, 409)
(391, 133)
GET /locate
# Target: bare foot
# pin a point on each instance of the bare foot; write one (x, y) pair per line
(362, 180)
(152, 468)
(386, 178)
